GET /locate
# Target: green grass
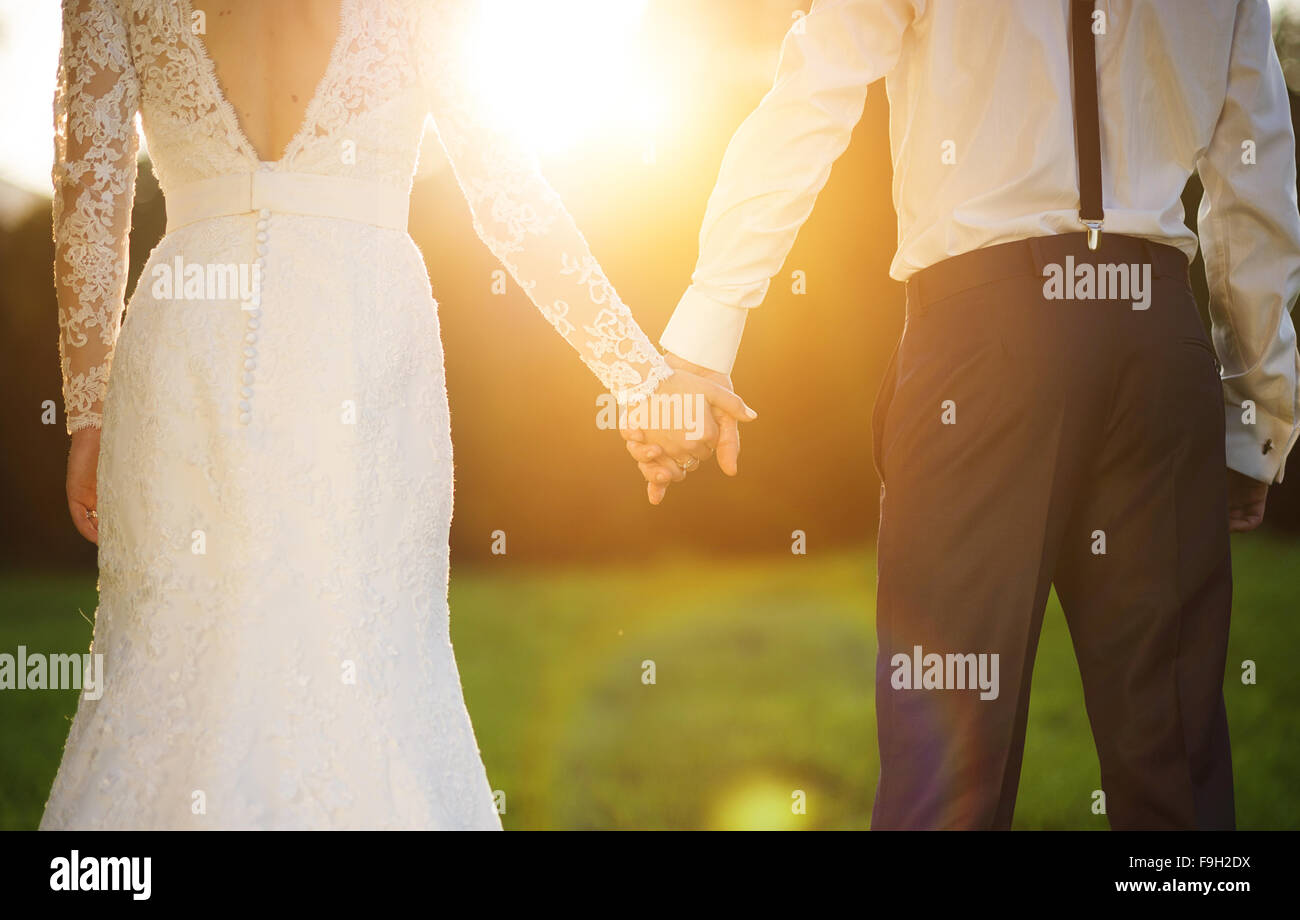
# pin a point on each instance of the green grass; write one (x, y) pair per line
(762, 687)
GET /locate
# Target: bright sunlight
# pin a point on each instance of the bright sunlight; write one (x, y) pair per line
(564, 71)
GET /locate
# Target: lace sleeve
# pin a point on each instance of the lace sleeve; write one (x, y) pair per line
(523, 221)
(94, 183)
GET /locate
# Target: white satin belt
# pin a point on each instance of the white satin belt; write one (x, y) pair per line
(374, 203)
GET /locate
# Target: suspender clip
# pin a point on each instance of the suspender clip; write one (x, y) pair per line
(1094, 232)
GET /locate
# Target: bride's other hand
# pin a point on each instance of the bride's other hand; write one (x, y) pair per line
(83, 461)
(666, 455)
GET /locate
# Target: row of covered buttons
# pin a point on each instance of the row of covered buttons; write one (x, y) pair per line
(254, 310)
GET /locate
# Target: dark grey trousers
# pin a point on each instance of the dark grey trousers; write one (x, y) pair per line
(1083, 446)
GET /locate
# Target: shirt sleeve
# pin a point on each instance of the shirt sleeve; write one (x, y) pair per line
(95, 142)
(1250, 236)
(777, 163)
(523, 221)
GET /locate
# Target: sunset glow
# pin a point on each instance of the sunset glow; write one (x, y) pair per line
(566, 71)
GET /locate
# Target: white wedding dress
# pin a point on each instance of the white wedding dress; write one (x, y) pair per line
(275, 479)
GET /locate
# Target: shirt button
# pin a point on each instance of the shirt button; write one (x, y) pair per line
(265, 213)
(246, 392)
(250, 365)
(244, 418)
(251, 338)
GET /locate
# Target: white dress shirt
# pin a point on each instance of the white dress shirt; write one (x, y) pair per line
(982, 138)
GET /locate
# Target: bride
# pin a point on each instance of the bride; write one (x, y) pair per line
(273, 489)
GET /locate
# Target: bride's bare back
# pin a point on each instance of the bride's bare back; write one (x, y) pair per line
(269, 59)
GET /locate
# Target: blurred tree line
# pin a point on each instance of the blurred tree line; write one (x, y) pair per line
(529, 458)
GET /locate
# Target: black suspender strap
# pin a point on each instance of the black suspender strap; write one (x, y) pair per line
(1087, 129)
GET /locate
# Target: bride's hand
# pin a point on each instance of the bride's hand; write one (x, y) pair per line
(665, 455)
(83, 460)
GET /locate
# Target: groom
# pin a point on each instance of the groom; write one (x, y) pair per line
(1054, 413)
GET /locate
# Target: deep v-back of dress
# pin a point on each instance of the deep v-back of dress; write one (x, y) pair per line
(275, 480)
(303, 122)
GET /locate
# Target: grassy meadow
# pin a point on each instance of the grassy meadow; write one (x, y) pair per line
(762, 685)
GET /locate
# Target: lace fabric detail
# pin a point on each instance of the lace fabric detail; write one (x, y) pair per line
(96, 98)
(326, 555)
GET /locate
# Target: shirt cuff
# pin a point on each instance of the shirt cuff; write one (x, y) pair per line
(1258, 450)
(704, 331)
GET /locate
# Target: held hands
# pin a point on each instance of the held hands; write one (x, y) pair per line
(666, 455)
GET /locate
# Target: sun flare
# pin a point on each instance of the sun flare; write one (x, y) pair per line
(567, 71)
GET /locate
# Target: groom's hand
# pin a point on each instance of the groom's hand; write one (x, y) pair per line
(728, 427)
(1246, 498)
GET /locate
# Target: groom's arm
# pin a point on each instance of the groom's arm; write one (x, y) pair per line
(777, 163)
(1250, 236)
